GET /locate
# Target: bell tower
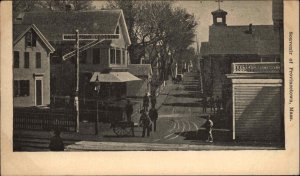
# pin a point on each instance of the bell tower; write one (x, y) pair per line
(219, 16)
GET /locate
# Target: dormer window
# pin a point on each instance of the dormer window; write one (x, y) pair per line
(117, 30)
(30, 39)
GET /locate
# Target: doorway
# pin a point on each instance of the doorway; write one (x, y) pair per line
(38, 92)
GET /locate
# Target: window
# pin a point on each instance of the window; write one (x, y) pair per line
(123, 57)
(118, 56)
(112, 56)
(30, 39)
(117, 30)
(21, 88)
(219, 20)
(16, 59)
(96, 56)
(82, 57)
(26, 60)
(38, 61)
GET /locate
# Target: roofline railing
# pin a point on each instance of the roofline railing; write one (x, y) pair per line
(256, 67)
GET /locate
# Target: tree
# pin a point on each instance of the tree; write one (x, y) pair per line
(159, 29)
(23, 6)
(52, 5)
(62, 4)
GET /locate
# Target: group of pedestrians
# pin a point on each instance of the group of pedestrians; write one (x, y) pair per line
(213, 104)
(148, 116)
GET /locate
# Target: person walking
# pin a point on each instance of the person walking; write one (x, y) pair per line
(204, 104)
(146, 101)
(153, 100)
(153, 117)
(56, 143)
(218, 104)
(129, 111)
(208, 126)
(145, 122)
(212, 104)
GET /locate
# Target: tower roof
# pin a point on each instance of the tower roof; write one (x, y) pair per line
(219, 12)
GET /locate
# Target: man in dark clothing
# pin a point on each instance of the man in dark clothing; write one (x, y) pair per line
(129, 111)
(218, 104)
(56, 143)
(212, 104)
(204, 104)
(153, 116)
(153, 100)
(145, 122)
(146, 101)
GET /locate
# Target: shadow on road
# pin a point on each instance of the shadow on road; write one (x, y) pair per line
(191, 88)
(221, 136)
(188, 95)
(182, 104)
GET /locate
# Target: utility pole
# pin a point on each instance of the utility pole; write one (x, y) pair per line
(95, 39)
(76, 97)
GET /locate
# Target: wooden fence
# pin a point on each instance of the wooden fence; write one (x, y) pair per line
(44, 121)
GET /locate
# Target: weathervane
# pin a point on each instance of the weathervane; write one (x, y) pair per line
(219, 3)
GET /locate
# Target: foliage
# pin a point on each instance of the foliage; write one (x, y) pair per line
(157, 30)
(156, 27)
(51, 5)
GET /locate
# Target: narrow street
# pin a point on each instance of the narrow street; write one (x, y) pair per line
(179, 127)
(179, 116)
(179, 120)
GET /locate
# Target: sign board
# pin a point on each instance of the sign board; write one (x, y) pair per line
(90, 37)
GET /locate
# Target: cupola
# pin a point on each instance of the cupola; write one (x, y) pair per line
(219, 17)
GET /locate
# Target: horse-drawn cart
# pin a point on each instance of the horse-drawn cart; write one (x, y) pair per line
(120, 125)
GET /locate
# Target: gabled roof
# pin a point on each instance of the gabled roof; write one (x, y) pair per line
(263, 40)
(140, 69)
(54, 24)
(20, 30)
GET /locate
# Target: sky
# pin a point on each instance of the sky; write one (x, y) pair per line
(242, 12)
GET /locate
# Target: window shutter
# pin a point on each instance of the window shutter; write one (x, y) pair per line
(38, 60)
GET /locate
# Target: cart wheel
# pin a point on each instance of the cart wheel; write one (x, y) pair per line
(122, 131)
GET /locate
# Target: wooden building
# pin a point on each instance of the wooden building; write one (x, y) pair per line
(140, 88)
(257, 98)
(31, 67)
(108, 57)
(230, 44)
(244, 66)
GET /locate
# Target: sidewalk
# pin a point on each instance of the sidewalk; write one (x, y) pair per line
(122, 146)
(40, 139)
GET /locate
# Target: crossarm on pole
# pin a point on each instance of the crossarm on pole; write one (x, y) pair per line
(83, 48)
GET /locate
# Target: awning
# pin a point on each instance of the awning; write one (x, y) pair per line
(113, 77)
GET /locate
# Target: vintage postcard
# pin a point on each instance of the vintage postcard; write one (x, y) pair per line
(149, 87)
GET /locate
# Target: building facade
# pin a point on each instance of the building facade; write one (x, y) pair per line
(231, 44)
(244, 66)
(103, 57)
(31, 67)
(140, 88)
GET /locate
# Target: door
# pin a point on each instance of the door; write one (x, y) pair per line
(38, 88)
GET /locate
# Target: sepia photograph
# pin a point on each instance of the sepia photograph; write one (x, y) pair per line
(147, 75)
(152, 76)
